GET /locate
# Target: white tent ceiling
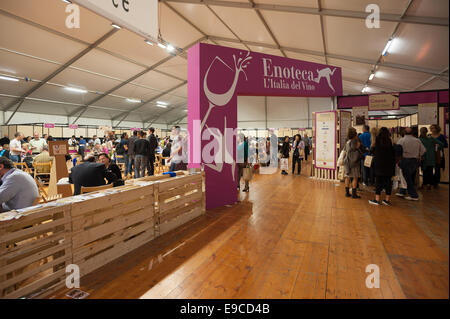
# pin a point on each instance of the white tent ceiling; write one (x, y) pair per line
(113, 65)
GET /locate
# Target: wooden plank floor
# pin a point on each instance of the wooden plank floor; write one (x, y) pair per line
(291, 237)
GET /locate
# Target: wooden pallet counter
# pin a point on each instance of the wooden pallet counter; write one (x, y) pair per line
(180, 200)
(107, 227)
(91, 230)
(34, 252)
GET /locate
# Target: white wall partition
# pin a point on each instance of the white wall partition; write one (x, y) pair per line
(293, 112)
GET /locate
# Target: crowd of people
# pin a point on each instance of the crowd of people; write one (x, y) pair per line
(370, 158)
(375, 160)
(99, 161)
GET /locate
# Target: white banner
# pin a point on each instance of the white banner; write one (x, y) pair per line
(139, 16)
(325, 146)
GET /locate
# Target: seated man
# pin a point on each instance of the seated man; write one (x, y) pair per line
(89, 174)
(104, 158)
(18, 189)
(44, 157)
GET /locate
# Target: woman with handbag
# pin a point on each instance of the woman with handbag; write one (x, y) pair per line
(429, 158)
(284, 151)
(384, 166)
(299, 152)
(352, 162)
(440, 159)
(242, 160)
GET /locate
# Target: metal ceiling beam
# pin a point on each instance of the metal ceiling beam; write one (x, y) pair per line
(55, 73)
(146, 102)
(266, 26)
(84, 109)
(381, 58)
(361, 82)
(319, 6)
(333, 56)
(177, 121)
(228, 27)
(431, 79)
(187, 21)
(314, 11)
(155, 118)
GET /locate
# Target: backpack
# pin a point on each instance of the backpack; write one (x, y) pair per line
(120, 150)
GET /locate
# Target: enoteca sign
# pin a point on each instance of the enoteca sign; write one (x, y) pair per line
(139, 16)
(216, 76)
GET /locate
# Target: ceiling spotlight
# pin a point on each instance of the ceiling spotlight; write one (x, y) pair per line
(162, 103)
(162, 106)
(386, 48)
(116, 26)
(364, 89)
(161, 45)
(66, 1)
(133, 100)
(75, 90)
(372, 75)
(170, 48)
(8, 78)
(148, 42)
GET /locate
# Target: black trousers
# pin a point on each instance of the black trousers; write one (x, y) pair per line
(428, 175)
(306, 153)
(296, 160)
(151, 165)
(383, 182)
(437, 175)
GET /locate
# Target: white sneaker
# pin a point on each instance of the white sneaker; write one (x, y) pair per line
(412, 198)
(400, 194)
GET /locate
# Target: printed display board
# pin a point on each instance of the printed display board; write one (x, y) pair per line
(360, 115)
(380, 102)
(427, 113)
(325, 142)
(345, 124)
(58, 148)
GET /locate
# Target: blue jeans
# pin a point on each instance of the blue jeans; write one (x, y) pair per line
(125, 161)
(409, 168)
(172, 166)
(130, 163)
(140, 163)
(15, 158)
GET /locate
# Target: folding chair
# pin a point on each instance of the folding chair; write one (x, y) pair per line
(38, 168)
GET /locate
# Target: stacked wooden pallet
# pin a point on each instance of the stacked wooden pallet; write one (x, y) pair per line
(34, 252)
(91, 230)
(180, 199)
(105, 228)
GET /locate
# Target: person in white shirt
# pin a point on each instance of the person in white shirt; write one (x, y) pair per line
(73, 141)
(37, 144)
(96, 140)
(18, 189)
(15, 147)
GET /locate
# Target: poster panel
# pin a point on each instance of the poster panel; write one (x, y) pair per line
(414, 120)
(427, 113)
(360, 115)
(345, 124)
(325, 141)
(384, 101)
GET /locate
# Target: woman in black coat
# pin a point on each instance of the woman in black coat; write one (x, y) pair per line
(384, 166)
(285, 149)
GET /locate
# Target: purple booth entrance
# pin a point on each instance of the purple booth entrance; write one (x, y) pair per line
(216, 76)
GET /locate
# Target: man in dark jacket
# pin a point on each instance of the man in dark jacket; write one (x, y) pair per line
(130, 149)
(89, 174)
(140, 148)
(151, 153)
